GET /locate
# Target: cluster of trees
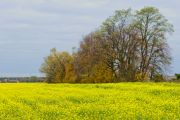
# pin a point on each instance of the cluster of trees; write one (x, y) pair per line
(128, 46)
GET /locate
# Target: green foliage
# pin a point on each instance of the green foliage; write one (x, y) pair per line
(177, 76)
(150, 101)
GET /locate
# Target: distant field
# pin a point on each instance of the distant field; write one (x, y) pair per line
(41, 101)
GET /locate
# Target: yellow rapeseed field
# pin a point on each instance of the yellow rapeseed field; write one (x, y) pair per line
(121, 101)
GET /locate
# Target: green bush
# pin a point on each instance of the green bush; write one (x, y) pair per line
(177, 76)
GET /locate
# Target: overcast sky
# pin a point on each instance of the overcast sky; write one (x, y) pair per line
(30, 28)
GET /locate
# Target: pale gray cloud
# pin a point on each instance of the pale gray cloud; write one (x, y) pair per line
(29, 28)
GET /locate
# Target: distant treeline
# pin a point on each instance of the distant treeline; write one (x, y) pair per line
(21, 79)
(129, 46)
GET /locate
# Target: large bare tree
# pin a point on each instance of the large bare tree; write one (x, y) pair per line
(153, 27)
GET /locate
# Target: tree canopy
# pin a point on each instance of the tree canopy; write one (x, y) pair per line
(128, 46)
